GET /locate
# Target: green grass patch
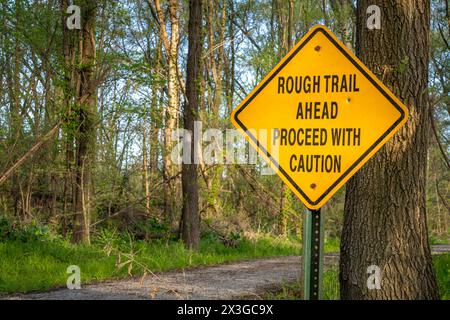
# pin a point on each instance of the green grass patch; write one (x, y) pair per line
(442, 267)
(439, 240)
(331, 282)
(292, 291)
(331, 245)
(42, 265)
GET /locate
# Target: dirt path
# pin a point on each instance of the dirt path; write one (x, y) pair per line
(228, 281)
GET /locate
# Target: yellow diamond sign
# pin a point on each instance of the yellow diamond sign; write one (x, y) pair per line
(318, 116)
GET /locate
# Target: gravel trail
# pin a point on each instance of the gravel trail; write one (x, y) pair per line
(227, 281)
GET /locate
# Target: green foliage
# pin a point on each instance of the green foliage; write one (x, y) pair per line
(107, 239)
(235, 236)
(10, 231)
(6, 229)
(151, 226)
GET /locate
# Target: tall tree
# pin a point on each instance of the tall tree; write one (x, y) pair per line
(170, 44)
(385, 219)
(190, 220)
(68, 51)
(145, 181)
(86, 117)
(284, 192)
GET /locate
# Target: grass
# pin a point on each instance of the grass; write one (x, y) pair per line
(331, 282)
(42, 265)
(442, 268)
(331, 245)
(292, 291)
(439, 240)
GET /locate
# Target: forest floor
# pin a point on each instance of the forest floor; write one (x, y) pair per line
(249, 279)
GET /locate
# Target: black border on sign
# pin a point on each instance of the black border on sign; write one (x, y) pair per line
(347, 172)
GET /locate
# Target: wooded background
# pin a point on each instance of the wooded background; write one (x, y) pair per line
(87, 116)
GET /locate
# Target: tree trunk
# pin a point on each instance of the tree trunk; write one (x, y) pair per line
(231, 59)
(385, 219)
(190, 220)
(68, 94)
(343, 12)
(145, 181)
(290, 31)
(86, 135)
(284, 192)
(171, 115)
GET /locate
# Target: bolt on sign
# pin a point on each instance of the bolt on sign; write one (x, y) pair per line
(318, 116)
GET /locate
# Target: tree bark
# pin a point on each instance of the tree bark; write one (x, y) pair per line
(86, 135)
(385, 217)
(171, 114)
(190, 220)
(68, 95)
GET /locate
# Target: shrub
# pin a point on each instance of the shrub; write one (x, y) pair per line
(27, 233)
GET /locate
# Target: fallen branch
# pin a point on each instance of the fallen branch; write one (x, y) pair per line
(30, 152)
(52, 131)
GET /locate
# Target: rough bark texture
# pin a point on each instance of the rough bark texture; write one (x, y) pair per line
(190, 220)
(86, 135)
(385, 217)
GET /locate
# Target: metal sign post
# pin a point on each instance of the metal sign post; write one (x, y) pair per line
(312, 255)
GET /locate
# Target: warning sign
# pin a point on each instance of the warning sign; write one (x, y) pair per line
(318, 116)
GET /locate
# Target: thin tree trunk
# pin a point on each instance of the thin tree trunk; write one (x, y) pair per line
(231, 61)
(155, 116)
(171, 47)
(145, 181)
(282, 214)
(385, 218)
(290, 35)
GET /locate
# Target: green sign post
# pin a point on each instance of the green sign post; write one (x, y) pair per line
(312, 254)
